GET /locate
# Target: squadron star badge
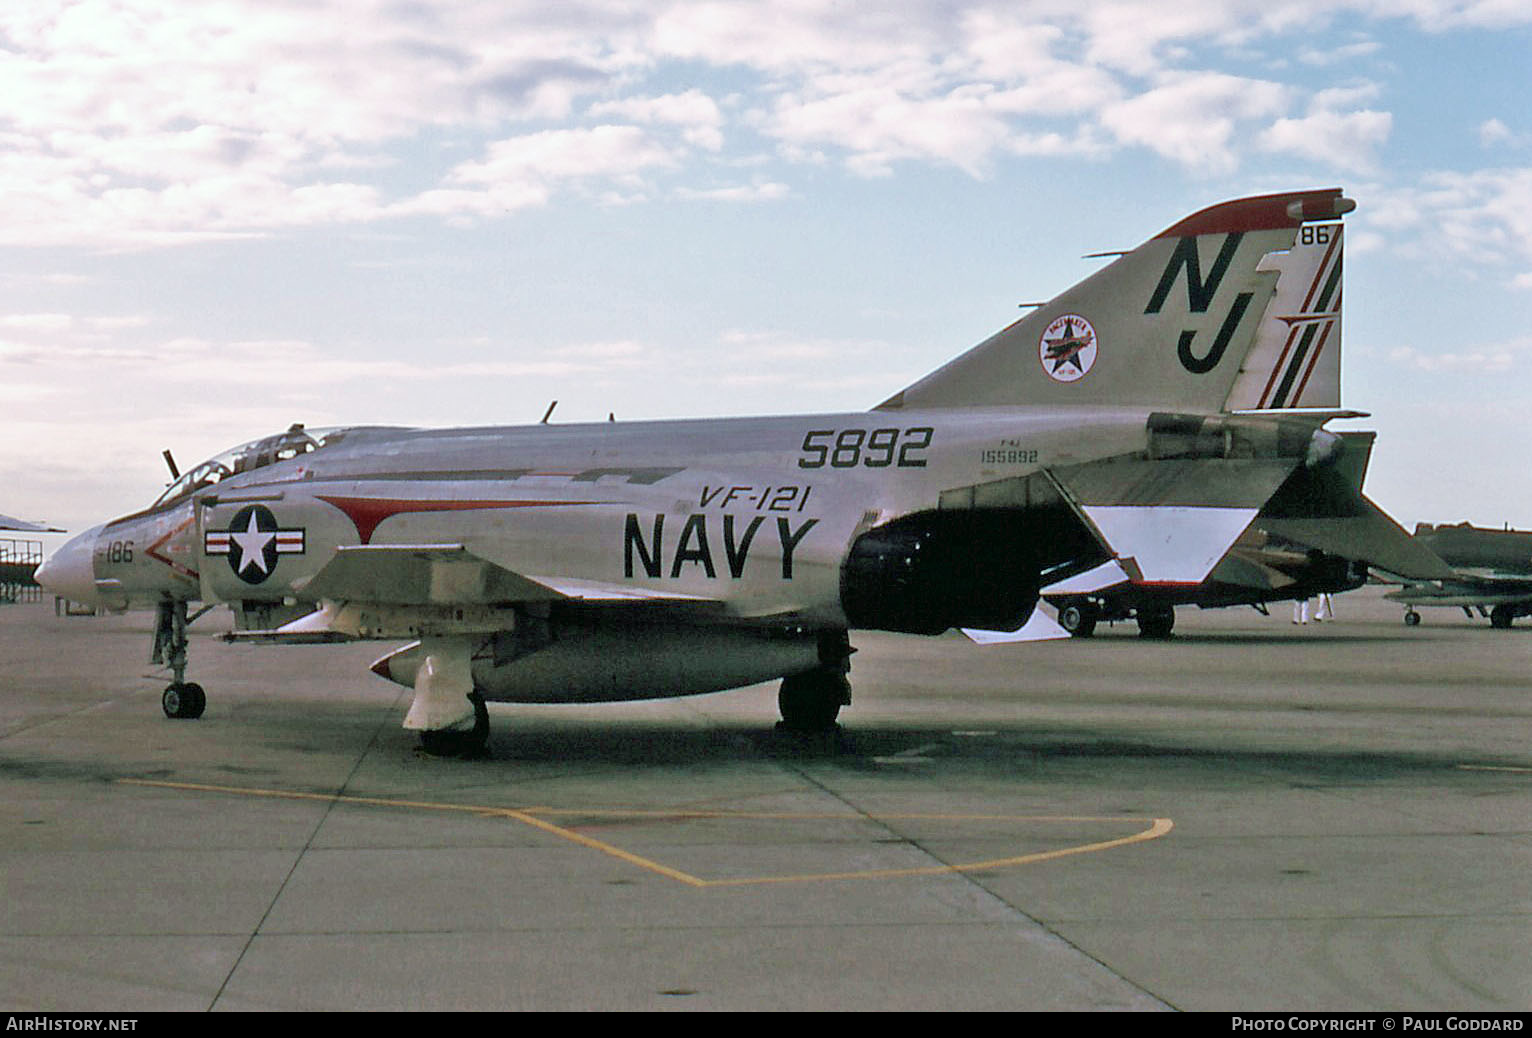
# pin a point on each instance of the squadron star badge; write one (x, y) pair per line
(252, 542)
(1067, 348)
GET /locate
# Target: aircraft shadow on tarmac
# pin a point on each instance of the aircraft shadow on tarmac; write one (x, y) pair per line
(1353, 636)
(1034, 757)
(1015, 750)
(525, 746)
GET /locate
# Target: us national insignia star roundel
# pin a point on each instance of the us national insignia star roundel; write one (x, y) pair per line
(252, 542)
(1067, 348)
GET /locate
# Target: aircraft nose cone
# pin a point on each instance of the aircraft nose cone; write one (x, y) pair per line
(70, 572)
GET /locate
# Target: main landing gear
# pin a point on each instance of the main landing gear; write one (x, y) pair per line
(183, 700)
(1080, 616)
(1156, 621)
(460, 742)
(1501, 617)
(448, 711)
(811, 701)
(1079, 619)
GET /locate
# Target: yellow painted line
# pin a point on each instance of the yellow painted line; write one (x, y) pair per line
(529, 816)
(483, 812)
(1160, 827)
(606, 848)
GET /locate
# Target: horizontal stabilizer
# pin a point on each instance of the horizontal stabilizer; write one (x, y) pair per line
(1368, 535)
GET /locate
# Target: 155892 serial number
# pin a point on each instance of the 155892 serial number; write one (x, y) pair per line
(1008, 456)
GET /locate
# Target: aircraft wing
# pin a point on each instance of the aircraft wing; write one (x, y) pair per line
(420, 574)
(411, 587)
(1465, 589)
(450, 574)
(22, 526)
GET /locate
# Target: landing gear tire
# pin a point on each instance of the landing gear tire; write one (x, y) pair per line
(1411, 618)
(811, 702)
(460, 742)
(1079, 619)
(1156, 623)
(184, 701)
(1501, 617)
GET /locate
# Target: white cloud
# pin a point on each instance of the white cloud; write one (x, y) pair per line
(1193, 118)
(1493, 131)
(769, 191)
(694, 112)
(131, 123)
(877, 124)
(37, 322)
(1482, 217)
(523, 171)
(1471, 363)
(1347, 140)
(1343, 54)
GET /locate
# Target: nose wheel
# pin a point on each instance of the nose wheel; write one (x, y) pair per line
(184, 700)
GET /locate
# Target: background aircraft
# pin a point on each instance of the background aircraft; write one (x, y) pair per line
(1491, 572)
(1088, 443)
(22, 526)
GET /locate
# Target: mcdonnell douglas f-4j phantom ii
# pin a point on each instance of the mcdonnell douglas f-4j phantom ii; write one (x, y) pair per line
(1088, 441)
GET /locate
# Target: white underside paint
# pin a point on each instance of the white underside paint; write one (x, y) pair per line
(1041, 626)
(1166, 544)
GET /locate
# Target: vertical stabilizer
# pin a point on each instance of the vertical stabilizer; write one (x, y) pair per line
(1168, 325)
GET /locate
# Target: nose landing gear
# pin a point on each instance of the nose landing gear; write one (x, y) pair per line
(183, 700)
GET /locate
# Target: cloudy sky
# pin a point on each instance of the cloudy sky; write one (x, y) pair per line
(220, 218)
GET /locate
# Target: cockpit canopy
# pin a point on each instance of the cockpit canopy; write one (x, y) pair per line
(248, 457)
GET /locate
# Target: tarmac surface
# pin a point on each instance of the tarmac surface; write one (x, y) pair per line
(1251, 816)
